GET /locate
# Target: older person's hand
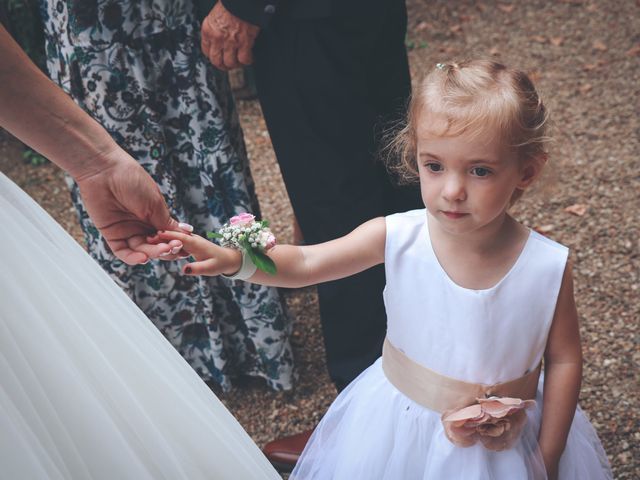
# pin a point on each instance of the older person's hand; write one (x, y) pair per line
(227, 41)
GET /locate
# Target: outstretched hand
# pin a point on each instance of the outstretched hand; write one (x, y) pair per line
(126, 205)
(227, 40)
(211, 259)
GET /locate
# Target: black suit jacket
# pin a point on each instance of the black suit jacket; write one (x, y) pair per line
(260, 12)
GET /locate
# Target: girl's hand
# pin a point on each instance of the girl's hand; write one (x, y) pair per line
(211, 259)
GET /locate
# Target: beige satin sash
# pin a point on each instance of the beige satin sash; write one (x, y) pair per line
(440, 393)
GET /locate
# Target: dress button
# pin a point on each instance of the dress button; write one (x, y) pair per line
(270, 9)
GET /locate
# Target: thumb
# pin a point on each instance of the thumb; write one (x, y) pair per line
(160, 217)
(172, 224)
(204, 267)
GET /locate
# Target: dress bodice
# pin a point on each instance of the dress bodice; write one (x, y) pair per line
(483, 336)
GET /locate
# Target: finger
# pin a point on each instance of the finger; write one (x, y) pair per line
(171, 224)
(138, 243)
(185, 227)
(230, 57)
(194, 244)
(170, 257)
(154, 239)
(245, 54)
(158, 241)
(205, 267)
(169, 235)
(137, 251)
(176, 245)
(215, 57)
(131, 257)
(171, 254)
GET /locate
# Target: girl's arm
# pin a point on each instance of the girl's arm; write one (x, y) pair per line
(562, 377)
(297, 266)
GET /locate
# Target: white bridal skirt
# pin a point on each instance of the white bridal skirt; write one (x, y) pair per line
(373, 432)
(89, 389)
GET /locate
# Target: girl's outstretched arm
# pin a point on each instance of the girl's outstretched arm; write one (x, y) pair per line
(562, 377)
(297, 266)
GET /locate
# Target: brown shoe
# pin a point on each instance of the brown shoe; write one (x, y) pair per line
(284, 452)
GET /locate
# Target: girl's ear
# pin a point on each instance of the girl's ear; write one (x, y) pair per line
(531, 170)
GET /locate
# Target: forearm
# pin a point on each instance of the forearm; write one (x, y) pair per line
(561, 391)
(291, 267)
(310, 265)
(41, 115)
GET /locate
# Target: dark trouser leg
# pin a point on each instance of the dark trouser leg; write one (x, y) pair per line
(325, 96)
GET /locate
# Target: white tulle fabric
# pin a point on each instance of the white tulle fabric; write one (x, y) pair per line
(373, 431)
(89, 389)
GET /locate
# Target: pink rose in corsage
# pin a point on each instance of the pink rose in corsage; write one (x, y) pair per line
(496, 422)
(253, 237)
(242, 219)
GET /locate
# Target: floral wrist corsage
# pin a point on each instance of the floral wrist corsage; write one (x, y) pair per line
(251, 237)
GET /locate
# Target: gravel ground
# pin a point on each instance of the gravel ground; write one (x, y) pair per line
(584, 56)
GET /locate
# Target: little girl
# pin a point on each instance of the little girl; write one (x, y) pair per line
(475, 301)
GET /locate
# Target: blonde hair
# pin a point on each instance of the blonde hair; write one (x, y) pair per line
(476, 96)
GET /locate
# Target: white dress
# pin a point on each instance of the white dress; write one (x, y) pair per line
(89, 389)
(373, 431)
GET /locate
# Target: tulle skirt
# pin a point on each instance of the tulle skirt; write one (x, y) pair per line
(372, 431)
(89, 389)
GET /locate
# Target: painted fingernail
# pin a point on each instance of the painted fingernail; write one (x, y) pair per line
(186, 227)
(187, 269)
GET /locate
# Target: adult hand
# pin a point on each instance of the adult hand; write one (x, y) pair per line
(227, 40)
(121, 198)
(126, 205)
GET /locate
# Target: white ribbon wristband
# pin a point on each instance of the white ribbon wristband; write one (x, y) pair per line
(247, 269)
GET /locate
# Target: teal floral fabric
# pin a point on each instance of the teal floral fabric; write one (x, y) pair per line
(136, 67)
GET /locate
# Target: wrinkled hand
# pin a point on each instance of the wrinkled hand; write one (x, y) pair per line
(227, 41)
(125, 204)
(212, 259)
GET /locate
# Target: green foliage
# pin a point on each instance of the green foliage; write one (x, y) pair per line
(412, 44)
(32, 157)
(259, 259)
(22, 19)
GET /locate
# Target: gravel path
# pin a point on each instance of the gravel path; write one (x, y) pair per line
(585, 58)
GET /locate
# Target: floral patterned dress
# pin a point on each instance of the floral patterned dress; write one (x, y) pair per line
(136, 67)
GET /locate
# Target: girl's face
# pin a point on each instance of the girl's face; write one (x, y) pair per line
(467, 181)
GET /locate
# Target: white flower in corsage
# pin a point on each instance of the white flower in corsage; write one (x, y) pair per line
(496, 422)
(252, 237)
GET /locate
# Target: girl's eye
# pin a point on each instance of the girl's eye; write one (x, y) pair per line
(480, 171)
(434, 167)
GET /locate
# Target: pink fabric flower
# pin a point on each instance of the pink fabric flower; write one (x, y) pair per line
(496, 422)
(271, 242)
(242, 219)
